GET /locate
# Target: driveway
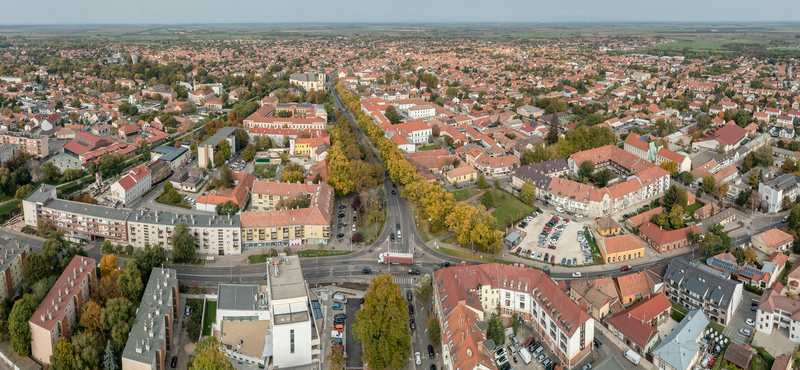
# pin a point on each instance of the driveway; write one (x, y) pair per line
(739, 317)
(351, 346)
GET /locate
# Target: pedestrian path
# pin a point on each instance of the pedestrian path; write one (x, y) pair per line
(404, 280)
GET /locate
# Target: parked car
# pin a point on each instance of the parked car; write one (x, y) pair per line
(338, 306)
(625, 268)
(366, 271)
(417, 358)
(431, 354)
(174, 363)
(750, 322)
(745, 332)
(413, 324)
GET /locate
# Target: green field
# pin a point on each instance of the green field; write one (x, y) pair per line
(464, 194)
(211, 316)
(265, 171)
(507, 204)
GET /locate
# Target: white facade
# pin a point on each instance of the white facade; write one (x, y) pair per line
(421, 112)
(128, 188)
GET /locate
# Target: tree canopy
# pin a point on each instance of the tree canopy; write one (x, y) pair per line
(382, 325)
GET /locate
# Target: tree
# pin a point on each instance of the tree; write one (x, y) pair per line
(337, 359)
(91, 317)
(145, 151)
(62, 357)
(130, 281)
(148, 258)
(709, 184)
(602, 177)
(50, 171)
(227, 208)
(53, 248)
(109, 360)
(675, 196)
(87, 347)
(487, 199)
(18, 328)
(108, 248)
(434, 331)
(482, 184)
(249, 153)
(528, 193)
(225, 178)
(786, 203)
(223, 153)
(209, 356)
(242, 138)
(117, 320)
(392, 115)
(294, 172)
(496, 331)
(34, 268)
(23, 192)
(184, 243)
(107, 264)
(670, 166)
(382, 325)
(585, 170)
(107, 288)
(753, 178)
(794, 218)
(675, 217)
(750, 254)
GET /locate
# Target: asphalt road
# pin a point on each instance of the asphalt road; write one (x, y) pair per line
(351, 346)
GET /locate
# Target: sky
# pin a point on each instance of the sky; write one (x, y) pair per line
(48, 12)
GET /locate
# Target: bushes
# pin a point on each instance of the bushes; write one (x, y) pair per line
(677, 316)
(753, 289)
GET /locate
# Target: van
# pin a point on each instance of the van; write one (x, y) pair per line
(336, 334)
(526, 357)
(632, 356)
(339, 298)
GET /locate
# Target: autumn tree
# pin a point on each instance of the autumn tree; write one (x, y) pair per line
(670, 166)
(62, 357)
(107, 288)
(709, 184)
(209, 356)
(382, 325)
(107, 264)
(184, 242)
(91, 317)
(336, 358)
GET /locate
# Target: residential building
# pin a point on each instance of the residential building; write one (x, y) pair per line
(666, 240)
(157, 319)
(492, 165)
(643, 217)
(268, 195)
(32, 204)
(681, 349)
(778, 312)
(727, 137)
(752, 275)
(243, 323)
(133, 185)
(773, 192)
(696, 286)
(739, 355)
(637, 325)
(310, 225)
(772, 240)
(35, 145)
(57, 314)
(621, 248)
(87, 147)
(217, 235)
(461, 175)
(239, 194)
(783, 362)
(201, 96)
(417, 132)
(189, 179)
(175, 156)
(553, 168)
(666, 155)
(206, 150)
(160, 92)
(530, 293)
(12, 255)
(595, 296)
(309, 81)
(83, 221)
(606, 226)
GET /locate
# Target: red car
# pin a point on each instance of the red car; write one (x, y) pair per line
(625, 268)
(711, 363)
(530, 341)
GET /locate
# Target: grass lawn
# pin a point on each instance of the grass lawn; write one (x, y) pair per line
(679, 308)
(370, 232)
(265, 170)
(427, 147)
(508, 205)
(321, 253)
(211, 316)
(422, 228)
(464, 194)
(464, 256)
(717, 327)
(182, 204)
(8, 207)
(258, 258)
(691, 208)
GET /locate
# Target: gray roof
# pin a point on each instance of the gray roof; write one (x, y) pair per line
(289, 282)
(191, 220)
(784, 182)
(221, 134)
(39, 195)
(152, 315)
(610, 363)
(92, 210)
(9, 252)
(710, 284)
(304, 77)
(237, 297)
(169, 153)
(680, 346)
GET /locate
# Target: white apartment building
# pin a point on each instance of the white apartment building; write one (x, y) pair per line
(133, 185)
(421, 111)
(778, 312)
(217, 235)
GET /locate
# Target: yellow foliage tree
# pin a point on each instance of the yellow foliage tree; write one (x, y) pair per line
(107, 264)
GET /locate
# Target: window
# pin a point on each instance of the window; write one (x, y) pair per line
(291, 336)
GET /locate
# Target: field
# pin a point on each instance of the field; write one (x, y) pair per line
(464, 194)
(211, 316)
(508, 205)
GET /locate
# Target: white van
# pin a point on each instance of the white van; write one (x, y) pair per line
(339, 298)
(632, 356)
(526, 357)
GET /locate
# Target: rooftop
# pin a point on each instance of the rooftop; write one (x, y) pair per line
(92, 210)
(239, 297)
(286, 278)
(148, 331)
(221, 134)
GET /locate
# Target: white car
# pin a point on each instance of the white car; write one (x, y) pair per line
(417, 358)
(750, 322)
(559, 209)
(745, 332)
(576, 274)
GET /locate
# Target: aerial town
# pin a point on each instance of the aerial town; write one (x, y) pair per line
(231, 203)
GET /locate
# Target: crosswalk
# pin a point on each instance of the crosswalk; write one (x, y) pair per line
(404, 280)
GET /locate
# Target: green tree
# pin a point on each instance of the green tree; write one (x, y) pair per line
(709, 184)
(794, 218)
(130, 281)
(34, 268)
(675, 196)
(148, 258)
(145, 152)
(225, 178)
(87, 347)
(62, 357)
(585, 170)
(108, 248)
(602, 177)
(249, 153)
(53, 248)
(109, 360)
(23, 192)
(392, 115)
(528, 193)
(209, 356)
(184, 242)
(482, 184)
(496, 331)
(50, 171)
(117, 320)
(434, 331)
(18, 328)
(227, 208)
(382, 325)
(242, 138)
(487, 199)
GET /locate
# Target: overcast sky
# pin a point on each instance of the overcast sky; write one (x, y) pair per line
(410, 11)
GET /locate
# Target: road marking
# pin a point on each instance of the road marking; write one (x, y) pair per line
(403, 280)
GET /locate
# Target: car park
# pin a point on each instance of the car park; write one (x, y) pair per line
(340, 316)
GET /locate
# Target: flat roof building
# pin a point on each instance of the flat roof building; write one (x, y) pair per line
(152, 335)
(215, 234)
(205, 151)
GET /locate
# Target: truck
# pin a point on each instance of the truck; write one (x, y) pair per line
(396, 258)
(632, 356)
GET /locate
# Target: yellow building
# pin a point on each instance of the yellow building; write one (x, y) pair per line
(461, 175)
(11, 257)
(621, 248)
(606, 226)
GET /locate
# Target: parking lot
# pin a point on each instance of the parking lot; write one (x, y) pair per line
(563, 243)
(739, 318)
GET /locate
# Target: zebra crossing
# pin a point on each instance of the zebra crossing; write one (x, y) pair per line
(404, 280)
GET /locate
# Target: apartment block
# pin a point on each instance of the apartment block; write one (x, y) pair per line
(151, 336)
(57, 315)
(32, 204)
(778, 312)
(82, 221)
(290, 226)
(34, 145)
(12, 254)
(530, 293)
(696, 286)
(205, 151)
(215, 234)
(267, 194)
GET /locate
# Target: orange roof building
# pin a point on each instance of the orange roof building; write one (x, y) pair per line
(243, 186)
